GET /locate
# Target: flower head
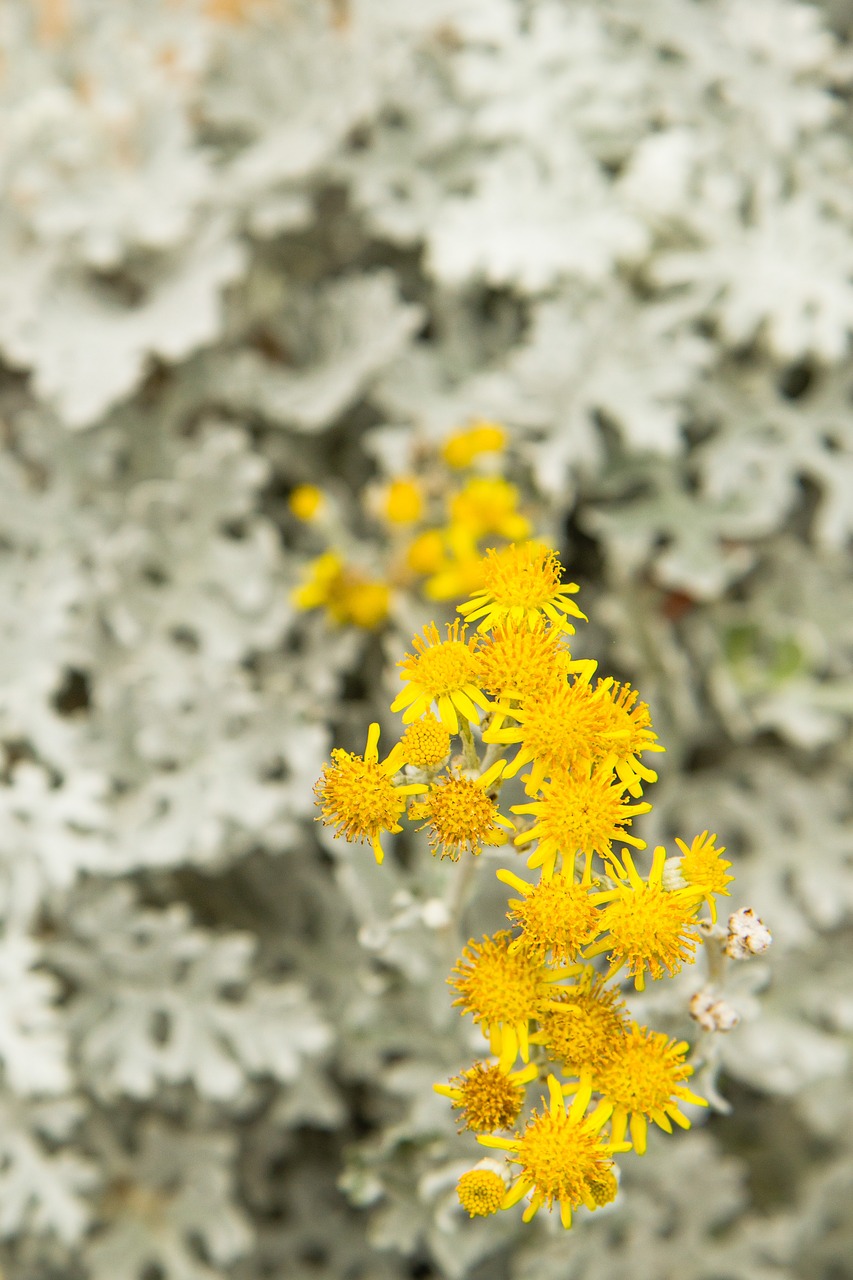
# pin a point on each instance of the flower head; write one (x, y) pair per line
(488, 505)
(517, 661)
(462, 447)
(522, 583)
(502, 991)
(425, 743)
(488, 1097)
(645, 1081)
(562, 726)
(306, 501)
(646, 926)
(481, 1192)
(358, 796)
(583, 1026)
(578, 813)
(556, 916)
(348, 595)
(459, 814)
(402, 502)
(630, 734)
(562, 1156)
(443, 672)
(701, 868)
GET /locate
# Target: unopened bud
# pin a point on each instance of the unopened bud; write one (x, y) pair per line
(712, 1013)
(748, 936)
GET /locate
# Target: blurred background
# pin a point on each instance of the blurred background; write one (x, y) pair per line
(263, 265)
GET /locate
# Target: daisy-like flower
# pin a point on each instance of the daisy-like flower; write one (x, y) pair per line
(488, 1097)
(481, 1191)
(358, 796)
(584, 1026)
(578, 813)
(444, 673)
(503, 992)
(562, 1156)
(645, 1081)
(425, 743)
(521, 583)
(562, 726)
(646, 926)
(516, 660)
(631, 734)
(701, 869)
(556, 916)
(459, 814)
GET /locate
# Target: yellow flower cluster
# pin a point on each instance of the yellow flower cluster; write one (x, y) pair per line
(514, 702)
(434, 525)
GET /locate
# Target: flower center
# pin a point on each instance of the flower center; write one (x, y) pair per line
(562, 1158)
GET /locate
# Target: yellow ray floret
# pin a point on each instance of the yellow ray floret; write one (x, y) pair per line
(460, 814)
(556, 916)
(521, 583)
(562, 1156)
(645, 1081)
(578, 813)
(358, 796)
(647, 927)
(488, 1097)
(441, 673)
(503, 992)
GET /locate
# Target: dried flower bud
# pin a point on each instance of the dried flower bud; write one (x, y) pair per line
(748, 936)
(712, 1013)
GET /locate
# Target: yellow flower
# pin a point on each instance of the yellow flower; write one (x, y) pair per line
(426, 743)
(502, 992)
(644, 1081)
(348, 595)
(522, 583)
(562, 726)
(578, 813)
(701, 870)
(425, 553)
(583, 1027)
(562, 1155)
(306, 501)
(488, 505)
(443, 672)
(488, 1097)
(358, 796)
(555, 915)
(481, 1192)
(365, 603)
(323, 578)
(647, 927)
(517, 661)
(403, 501)
(460, 449)
(631, 734)
(460, 814)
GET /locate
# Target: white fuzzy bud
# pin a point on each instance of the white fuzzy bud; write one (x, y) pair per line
(748, 936)
(712, 1013)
